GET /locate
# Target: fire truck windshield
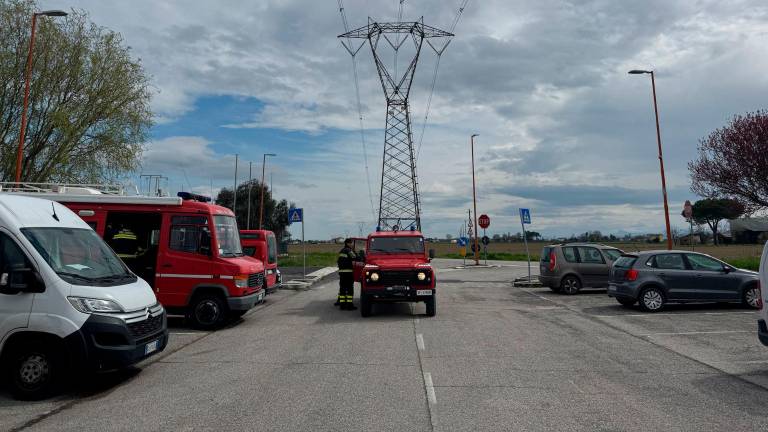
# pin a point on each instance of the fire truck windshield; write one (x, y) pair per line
(394, 245)
(227, 236)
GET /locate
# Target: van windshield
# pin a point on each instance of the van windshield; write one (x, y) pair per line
(394, 245)
(78, 255)
(227, 236)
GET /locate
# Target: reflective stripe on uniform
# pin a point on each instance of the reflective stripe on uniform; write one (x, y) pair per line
(345, 270)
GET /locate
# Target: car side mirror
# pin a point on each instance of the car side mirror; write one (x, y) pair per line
(431, 254)
(205, 243)
(727, 269)
(21, 280)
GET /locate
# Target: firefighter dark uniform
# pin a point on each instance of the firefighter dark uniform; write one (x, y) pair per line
(346, 261)
(125, 244)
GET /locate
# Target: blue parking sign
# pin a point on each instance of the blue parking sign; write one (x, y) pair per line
(295, 215)
(525, 215)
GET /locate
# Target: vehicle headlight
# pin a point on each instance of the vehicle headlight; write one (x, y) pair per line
(374, 277)
(421, 276)
(89, 305)
(241, 281)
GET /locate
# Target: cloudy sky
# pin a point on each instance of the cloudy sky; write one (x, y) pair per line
(563, 129)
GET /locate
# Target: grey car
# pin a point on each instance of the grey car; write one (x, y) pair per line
(655, 278)
(568, 267)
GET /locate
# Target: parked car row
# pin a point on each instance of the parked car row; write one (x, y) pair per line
(651, 279)
(87, 278)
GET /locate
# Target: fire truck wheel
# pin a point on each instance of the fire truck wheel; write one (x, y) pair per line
(207, 312)
(431, 306)
(366, 306)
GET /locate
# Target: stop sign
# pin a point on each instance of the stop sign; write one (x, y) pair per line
(484, 221)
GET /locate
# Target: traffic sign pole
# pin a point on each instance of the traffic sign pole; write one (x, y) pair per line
(525, 239)
(485, 248)
(304, 247)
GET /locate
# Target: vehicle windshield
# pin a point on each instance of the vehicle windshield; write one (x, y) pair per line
(227, 236)
(394, 245)
(78, 255)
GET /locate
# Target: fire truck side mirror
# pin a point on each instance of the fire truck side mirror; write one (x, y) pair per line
(361, 255)
(431, 253)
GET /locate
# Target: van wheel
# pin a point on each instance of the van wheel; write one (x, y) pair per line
(366, 306)
(207, 312)
(652, 299)
(34, 371)
(751, 297)
(570, 285)
(431, 306)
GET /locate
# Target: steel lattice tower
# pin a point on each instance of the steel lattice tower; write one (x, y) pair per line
(399, 199)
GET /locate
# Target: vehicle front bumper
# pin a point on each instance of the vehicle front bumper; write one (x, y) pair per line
(106, 343)
(398, 293)
(762, 332)
(245, 302)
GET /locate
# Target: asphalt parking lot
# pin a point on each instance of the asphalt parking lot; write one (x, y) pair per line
(496, 357)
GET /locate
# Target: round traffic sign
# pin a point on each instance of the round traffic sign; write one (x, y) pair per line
(484, 221)
(485, 240)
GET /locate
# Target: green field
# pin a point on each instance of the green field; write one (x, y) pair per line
(322, 255)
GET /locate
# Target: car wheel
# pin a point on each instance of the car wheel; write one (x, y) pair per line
(626, 302)
(570, 285)
(751, 297)
(207, 312)
(366, 306)
(431, 306)
(33, 371)
(652, 299)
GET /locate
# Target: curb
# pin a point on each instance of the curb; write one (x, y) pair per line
(304, 284)
(525, 283)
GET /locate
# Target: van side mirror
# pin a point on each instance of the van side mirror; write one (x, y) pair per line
(21, 280)
(205, 243)
(431, 254)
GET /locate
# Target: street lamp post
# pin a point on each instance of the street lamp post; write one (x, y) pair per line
(27, 78)
(661, 158)
(261, 203)
(474, 199)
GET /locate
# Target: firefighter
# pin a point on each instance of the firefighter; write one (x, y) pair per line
(346, 261)
(125, 243)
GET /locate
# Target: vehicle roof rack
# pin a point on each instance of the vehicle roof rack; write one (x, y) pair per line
(63, 188)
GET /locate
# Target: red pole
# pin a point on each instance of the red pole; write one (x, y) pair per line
(27, 78)
(661, 164)
(474, 199)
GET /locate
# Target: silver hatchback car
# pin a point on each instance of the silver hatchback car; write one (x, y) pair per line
(566, 268)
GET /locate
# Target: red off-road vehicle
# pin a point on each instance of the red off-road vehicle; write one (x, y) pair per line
(395, 268)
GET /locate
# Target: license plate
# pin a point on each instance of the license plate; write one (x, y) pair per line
(423, 292)
(260, 297)
(611, 287)
(397, 288)
(151, 347)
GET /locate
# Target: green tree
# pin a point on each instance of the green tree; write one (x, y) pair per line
(275, 212)
(89, 103)
(711, 211)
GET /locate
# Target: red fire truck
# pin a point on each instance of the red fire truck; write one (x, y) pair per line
(186, 248)
(395, 267)
(262, 245)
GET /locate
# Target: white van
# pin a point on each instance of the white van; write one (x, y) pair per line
(66, 300)
(762, 326)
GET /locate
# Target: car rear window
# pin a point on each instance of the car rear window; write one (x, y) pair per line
(545, 254)
(612, 254)
(625, 262)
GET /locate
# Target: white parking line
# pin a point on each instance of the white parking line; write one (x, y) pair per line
(420, 341)
(430, 388)
(697, 333)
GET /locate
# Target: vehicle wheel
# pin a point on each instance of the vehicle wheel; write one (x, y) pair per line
(570, 285)
(366, 306)
(431, 306)
(751, 297)
(652, 299)
(207, 312)
(33, 371)
(626, 302)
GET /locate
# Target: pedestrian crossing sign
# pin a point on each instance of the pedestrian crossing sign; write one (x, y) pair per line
(295, 215)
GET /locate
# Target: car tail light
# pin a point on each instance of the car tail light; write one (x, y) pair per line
(631, 275)
(552, 260)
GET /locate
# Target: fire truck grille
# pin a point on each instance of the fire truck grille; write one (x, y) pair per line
(256, 280)
(146, 327)
(397, 277)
